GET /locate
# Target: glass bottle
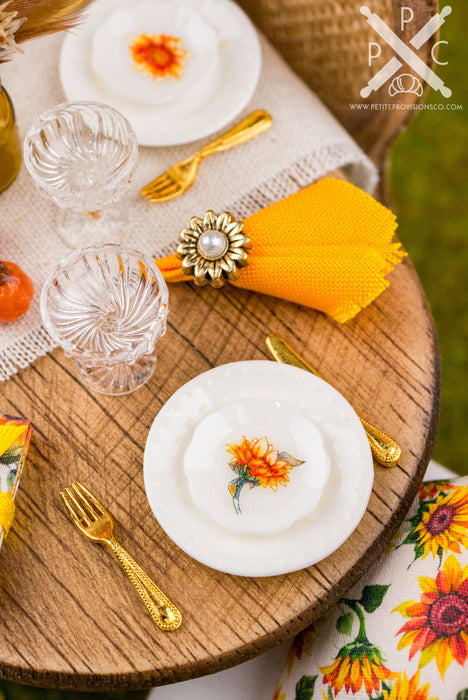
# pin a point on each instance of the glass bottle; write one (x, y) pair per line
(10, 148)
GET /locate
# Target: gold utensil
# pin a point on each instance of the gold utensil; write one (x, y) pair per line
(181, 176)
(385, 450)
(97, 524)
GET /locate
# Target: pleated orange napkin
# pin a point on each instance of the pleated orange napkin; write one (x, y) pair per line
(328, 246)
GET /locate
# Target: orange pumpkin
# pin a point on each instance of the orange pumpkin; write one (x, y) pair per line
(16, 291)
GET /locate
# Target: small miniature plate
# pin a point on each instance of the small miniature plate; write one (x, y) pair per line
(112, 62)
(218, 73)
(264, 510)
(258, 469)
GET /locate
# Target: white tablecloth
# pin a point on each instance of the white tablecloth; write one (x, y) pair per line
(304, 144)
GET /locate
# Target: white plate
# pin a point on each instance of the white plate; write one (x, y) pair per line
(111, 60)
(217, 82)
(187, 471)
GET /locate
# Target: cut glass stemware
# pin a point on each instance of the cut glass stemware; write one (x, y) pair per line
(106, 306)
(82, 155)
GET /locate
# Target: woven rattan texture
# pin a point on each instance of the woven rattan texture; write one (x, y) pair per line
(326, 42)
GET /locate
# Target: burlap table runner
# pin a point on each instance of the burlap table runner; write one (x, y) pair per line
(304, 144)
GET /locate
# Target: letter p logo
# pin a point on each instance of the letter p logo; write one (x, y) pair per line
(374, 51)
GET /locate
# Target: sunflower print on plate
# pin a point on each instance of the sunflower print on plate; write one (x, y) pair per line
(437, 627)
(257, 463)
(440, 524)
(158, 57)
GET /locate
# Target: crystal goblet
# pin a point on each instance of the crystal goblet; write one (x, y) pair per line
(82, 155)
(106, 306)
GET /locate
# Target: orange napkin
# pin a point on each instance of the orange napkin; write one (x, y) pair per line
(328, 246)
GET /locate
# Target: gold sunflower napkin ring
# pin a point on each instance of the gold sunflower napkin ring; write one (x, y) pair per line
(212, 250)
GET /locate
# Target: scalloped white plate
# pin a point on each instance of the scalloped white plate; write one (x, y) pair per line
(196, 508)
(169, 114)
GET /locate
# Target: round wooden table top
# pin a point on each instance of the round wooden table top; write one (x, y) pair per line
(69, 616)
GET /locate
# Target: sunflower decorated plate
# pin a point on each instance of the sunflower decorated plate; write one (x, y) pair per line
(178, 69)
(258, 469)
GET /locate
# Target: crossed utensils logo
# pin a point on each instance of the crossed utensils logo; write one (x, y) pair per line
(405, 82)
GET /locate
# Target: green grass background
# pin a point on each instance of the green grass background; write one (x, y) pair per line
(429, 194)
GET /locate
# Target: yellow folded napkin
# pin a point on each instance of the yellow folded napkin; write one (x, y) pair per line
(329, 246)
(15, 434)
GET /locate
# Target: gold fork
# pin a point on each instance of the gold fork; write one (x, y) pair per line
(97, 524)
(181, 176)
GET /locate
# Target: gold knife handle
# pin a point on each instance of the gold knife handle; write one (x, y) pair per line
(253, 125)
(162, 610)
(385, 450)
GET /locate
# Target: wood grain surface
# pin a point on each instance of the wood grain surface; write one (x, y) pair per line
(69, 617)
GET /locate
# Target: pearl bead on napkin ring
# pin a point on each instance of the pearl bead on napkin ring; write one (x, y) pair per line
(214, 249)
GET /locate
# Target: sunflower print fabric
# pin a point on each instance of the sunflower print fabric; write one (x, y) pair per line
(15, 434)
(402, 632)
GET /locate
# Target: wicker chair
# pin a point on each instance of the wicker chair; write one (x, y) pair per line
(326, 43)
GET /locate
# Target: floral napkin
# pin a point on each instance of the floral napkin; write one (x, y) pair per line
(402, 632)
(15, 434)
